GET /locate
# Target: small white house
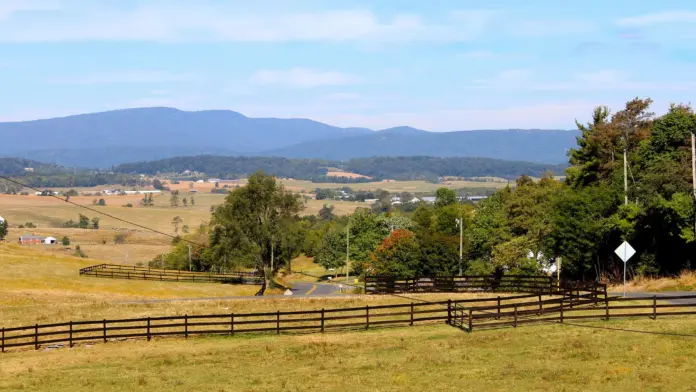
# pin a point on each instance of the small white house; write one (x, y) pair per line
(429, 199)
(49, 241)
(2, 220)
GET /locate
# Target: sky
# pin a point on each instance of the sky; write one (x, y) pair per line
(436, 65)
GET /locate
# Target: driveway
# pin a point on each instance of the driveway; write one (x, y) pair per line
(662, 294)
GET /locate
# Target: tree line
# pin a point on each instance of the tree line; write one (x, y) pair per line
(316, 170)
(520, 229)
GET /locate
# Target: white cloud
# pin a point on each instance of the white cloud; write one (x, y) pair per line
(302, 78)
(658, 18)
(167, 22)
(602, 80)
(342, 96)
(207, 23)
(126, 77)
(477, 54)
(10, 7)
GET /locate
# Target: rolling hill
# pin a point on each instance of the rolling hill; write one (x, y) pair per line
(120, 136)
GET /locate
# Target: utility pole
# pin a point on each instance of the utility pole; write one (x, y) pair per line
(347, 253)
(461, 242)
(272, 254)
(625, 172)
(189, 249)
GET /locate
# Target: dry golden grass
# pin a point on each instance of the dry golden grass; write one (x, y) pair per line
(430, 358)
(40, 286)
(391, 186)
(338, 173)
(686, 281)
(312, 207)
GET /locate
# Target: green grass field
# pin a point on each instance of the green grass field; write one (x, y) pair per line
(432, 358)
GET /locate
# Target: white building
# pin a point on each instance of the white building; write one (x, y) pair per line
(214, 180)
(429, 199)
(49, 241)
(2, 219)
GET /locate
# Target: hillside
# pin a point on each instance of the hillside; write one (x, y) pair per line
(159, 128)
(129, 135)
(543, 146)
(402, 168)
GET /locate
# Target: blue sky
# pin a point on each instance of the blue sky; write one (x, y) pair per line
(438, 65)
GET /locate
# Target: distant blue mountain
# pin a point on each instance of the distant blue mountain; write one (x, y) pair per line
(119, 136)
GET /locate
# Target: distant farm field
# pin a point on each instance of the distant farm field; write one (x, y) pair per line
(395, 186)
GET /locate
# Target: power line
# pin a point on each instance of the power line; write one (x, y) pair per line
(66, 200)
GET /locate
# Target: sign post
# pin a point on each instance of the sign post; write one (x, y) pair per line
(625, 251)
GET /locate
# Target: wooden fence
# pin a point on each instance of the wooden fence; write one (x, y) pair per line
(582, 307)
(117, 271)
(506, 283)
(307, 321)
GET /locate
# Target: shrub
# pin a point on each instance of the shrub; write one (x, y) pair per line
(79, 252)
(65, 241)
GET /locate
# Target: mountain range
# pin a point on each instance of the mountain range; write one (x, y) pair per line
(128, 135)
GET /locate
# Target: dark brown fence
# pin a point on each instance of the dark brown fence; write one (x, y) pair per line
(116, 271)
(583, 307)
(307, 321)
(450, 284)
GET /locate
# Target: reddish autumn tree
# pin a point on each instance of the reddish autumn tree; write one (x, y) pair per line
(398, 255)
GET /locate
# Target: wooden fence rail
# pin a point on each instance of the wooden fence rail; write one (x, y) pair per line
(506, 283)
(468, 314)
(116, 271)
(307, 321)
(584, 307)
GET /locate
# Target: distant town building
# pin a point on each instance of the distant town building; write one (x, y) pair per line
(30, 239)
(371, 201)
(429, 199)
(214, 180)
(476, 198)
(49, 241)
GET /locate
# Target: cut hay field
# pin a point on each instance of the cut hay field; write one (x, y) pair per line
(428, 358)
(394, 186)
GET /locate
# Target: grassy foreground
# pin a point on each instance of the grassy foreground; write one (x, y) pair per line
(433, 358)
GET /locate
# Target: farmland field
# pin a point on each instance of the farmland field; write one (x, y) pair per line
(433, 358)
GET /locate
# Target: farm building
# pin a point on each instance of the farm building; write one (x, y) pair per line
(35, 240)
(30, 239)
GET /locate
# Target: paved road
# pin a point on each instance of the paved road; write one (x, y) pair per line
(662, 294)
(299, 290)
(314, 289)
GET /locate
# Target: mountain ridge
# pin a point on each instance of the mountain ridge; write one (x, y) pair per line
(113, 137)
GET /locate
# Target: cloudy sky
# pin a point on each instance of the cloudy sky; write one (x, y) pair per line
(437, 65)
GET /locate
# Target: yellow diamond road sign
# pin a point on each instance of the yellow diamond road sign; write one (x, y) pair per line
(625, 251)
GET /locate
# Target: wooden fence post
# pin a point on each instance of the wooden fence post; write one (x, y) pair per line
(471, 320)
(148, 329)
(411, 314)
(561, 310)
(36, 336)
(367, 316)
(322, 320)
(497, 317)
(278, 323)
(104, 329)
(3, 339)
(185, 325)
(541, 308)
(231, 323)
(515, 324)
(449, 311)
(606, 305)
(654, 307)
(70, 336)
